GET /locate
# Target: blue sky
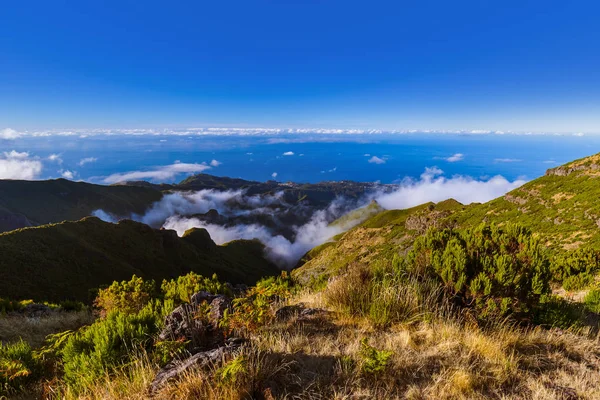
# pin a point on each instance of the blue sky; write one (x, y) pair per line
(510, 65)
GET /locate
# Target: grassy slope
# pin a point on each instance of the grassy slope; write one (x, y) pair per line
(43, 202)
(68, 259)
(562, 207)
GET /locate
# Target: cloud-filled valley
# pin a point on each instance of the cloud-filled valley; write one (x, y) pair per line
(288, 230)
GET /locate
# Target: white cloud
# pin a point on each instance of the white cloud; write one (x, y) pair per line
(434, 187)
(274, 175)
(215, 163)
(87, 160)
(376, 160)
(67, 174)
(9, 134)
(507, 160)
(367, 155)
(279, 249)
(159, 174)
(15, 165)
(55, 158)
(549, 162)
(456, 157)
(288, 153)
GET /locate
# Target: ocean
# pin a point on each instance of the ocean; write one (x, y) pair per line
(302, 157)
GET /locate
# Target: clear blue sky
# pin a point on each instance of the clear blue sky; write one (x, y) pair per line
(502, 65)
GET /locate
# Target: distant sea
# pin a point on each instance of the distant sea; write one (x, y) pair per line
(307, 157)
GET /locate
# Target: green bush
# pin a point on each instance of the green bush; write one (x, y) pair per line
(127, 296)
(373, 361)
(556, 312)
(254, 309)
(499, 270)
(576, 269)
(18, 367)
(592, 301)
(115, 340)
(182, 289)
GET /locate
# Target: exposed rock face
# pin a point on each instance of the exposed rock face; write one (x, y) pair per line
(189, 321)
(208, 343)
(201, 360)
(565, 170)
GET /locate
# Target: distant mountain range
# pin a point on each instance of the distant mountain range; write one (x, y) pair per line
(57, 259)
(33, 203)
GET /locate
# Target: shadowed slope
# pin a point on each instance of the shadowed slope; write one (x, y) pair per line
(66, 260)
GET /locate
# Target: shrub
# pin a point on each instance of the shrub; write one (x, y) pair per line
(373, 361)
(556, 312)
(182, 289)
(255, 308)
(98, 349)
(576, 269)
(592, 301)
(498, 270)
(18, 366)
(127, 296)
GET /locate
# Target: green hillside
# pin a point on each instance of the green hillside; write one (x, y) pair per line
(561, 207)
(27, 203)
(68, 259)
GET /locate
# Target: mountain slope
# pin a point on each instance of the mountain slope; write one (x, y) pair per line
(31, 203)
(561, 207)
(66, 260)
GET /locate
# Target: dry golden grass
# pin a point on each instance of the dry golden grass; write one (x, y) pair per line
(320, 358)
(35, 330)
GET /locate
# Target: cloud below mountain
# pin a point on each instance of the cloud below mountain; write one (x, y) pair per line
(435, 187)
(19, 165)
(159, 174)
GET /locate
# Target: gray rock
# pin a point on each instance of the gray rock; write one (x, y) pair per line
(217, 309)
(182, 323)
(201, 297)
(201, 360)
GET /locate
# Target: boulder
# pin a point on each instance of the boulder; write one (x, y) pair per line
(217, 309)
(201, 360)
(182, 323)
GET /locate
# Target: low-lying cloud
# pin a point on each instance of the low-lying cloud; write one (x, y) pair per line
(16, 165)
(87, 160)
(435, 187)
(376, 160)
(9, 134)
(263, 216)
(280, 250)
(455, 157)
(159, 174)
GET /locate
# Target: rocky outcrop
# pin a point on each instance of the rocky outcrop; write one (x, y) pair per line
(198, 324)
(198, 361)
(192, 323)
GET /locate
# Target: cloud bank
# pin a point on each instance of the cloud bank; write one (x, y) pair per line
(433, 186)
(163, 173)
(279, 250)
(9, 134)
(15, 165)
